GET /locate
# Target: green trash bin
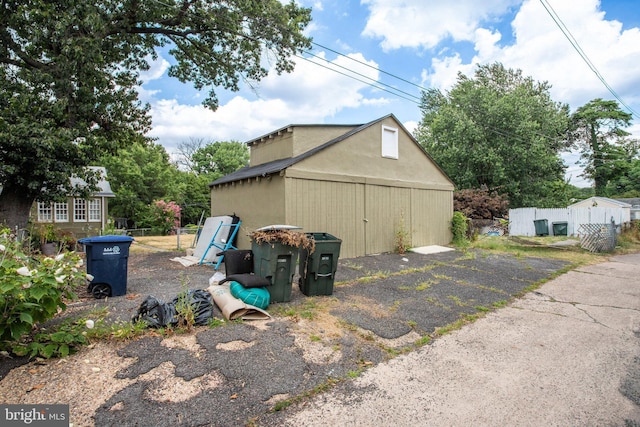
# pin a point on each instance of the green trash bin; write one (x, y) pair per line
(317, 270)
(560, 228)
(542, 227)
(275, 262)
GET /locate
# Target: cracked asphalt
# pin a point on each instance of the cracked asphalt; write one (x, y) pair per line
(381, 306)
(566, 353)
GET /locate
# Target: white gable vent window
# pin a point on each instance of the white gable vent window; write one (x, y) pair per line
(389, 142)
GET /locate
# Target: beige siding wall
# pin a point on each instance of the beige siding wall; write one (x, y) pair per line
(348, 190)
(273, 148)
(308, 137)
(359, 158)
(293, 141)
(333, 207)
(258, 203)
(431, 214)
(384, 210)
(341, 208)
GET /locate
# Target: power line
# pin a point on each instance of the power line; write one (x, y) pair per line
(369, 65)
(360, 74)
(361, 81)
(574, 43)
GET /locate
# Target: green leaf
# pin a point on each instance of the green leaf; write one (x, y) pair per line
(38, 293)
(48, 350)
(59, 336)
(63, 350)
(26, 317)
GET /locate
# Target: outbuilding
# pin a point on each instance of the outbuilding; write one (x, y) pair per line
(368, 184)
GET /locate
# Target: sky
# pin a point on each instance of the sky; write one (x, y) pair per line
(399, 48)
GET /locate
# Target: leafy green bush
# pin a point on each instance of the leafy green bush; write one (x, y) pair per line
(33, 289)
(459, 225)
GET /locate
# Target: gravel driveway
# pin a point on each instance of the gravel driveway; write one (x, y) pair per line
(237, 374)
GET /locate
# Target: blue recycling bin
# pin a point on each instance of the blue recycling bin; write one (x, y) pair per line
(107, 262)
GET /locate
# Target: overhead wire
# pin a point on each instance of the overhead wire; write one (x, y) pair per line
(387, 88)
(574, 43)
(394, 89)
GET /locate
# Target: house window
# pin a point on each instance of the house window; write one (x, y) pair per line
(389, 142)
(95, 210)
(61, 212)
(79, 210)
(44, 212)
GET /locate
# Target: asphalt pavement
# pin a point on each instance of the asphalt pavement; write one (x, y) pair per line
(567, 354)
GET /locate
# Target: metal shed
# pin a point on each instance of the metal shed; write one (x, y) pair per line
(362, 183)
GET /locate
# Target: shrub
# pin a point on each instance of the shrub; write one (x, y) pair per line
(32, 290)
(403, 238)
(162, 217)
(459, 225)
(480, 204)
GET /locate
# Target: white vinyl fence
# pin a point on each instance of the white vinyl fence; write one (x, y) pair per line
(521, 221)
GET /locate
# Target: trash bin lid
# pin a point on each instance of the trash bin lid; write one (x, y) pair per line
(106, 239)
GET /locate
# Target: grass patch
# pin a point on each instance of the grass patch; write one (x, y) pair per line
(426, 285)
(437, 303)
(422, 341)
(354, 374)
(321, 388)
(539, 247)
(465, 319)
(457, 301)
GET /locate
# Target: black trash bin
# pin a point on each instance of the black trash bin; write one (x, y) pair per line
(318, 269)
(560, 228)
(542, 227)
(107, 261)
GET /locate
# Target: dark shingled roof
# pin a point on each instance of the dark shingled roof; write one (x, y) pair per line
(276, 166)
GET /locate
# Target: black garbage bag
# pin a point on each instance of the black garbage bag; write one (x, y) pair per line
(156, 314)
(200, 302)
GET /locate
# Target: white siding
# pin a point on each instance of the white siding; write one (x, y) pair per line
(521, 220)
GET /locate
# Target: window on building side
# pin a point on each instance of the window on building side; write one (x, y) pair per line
(79, 210)
(95, 210)
(44, 212)
(389, 142)
(61, 212)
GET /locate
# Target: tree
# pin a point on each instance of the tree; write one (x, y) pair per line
(626, 183)
(498, 130)
(220, 159)
(69, 71)
(597, 130)
(139, 175)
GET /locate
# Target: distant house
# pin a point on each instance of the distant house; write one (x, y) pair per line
(635, 206)
(82, 217)
(361, 183)
(600, 202)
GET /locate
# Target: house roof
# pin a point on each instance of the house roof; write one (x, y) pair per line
(633, 201)
(104, 188)
(103, 185)
(599, 200)
(277, 166)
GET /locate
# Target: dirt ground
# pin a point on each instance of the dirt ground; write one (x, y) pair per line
(241, 372)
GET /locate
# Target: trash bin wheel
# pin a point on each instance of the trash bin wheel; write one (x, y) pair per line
(101, 290)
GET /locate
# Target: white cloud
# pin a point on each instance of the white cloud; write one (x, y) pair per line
(542, 51)
(426, 23)
(157, 69)
(308, 95)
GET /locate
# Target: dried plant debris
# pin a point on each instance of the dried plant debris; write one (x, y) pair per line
(292, 238)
